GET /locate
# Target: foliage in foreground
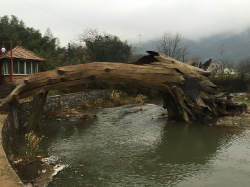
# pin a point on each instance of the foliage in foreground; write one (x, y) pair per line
(115, 98)
(140, 99)
(31, 148)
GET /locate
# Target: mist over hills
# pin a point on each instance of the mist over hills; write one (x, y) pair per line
(224, 46)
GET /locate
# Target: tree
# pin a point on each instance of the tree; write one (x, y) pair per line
(48, 34)
(104, 47)
(46, 46)
(226, 63)
(58, 43)
(52, 59)
(244, 66)
(76, 53)
(80, 53)
(30, 38)
(172, 46)
(91, 38)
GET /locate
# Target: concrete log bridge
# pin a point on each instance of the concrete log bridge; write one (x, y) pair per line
(186, 90)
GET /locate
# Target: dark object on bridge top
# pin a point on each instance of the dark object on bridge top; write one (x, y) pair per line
(148, 59)
(205, 65)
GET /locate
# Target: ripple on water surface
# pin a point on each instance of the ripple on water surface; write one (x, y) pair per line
(123, 148)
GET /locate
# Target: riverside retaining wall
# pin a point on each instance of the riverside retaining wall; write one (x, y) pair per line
(55, 103)
(19, 114)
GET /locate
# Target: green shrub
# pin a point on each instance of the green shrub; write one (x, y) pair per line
(231, 82)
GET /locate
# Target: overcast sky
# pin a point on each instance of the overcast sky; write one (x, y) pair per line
(130, 18)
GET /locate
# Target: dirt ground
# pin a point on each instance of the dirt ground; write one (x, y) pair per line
(34, 172)
(242, 120)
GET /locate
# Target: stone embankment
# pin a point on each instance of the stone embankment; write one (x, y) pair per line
(69, 101)
(8, 177)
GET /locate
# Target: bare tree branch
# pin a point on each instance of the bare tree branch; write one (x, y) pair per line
(172, 45)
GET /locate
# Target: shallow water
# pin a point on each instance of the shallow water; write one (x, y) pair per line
(122, 148)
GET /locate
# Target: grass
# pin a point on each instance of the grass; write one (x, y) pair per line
(53, 93)
(247, 102)
(244, 99)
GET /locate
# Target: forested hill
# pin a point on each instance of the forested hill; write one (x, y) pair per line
(233, 47)
(28, 37)
(89, 46)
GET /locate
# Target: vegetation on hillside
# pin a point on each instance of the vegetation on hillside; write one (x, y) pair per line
(104, 47)
(28, 37)
(89, 46)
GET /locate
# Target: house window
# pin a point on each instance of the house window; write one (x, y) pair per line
(15, 67)
(20, 67)
(6, 68)
(28, 68)
(34, 67)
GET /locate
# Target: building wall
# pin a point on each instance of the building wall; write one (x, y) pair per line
(6, 78)
(16, 77)
(215, 67)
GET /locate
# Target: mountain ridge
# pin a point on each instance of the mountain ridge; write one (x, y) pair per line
(223, 46)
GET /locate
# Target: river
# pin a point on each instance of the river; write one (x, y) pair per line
(125, 148)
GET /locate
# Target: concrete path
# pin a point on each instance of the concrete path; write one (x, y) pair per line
(8, 177)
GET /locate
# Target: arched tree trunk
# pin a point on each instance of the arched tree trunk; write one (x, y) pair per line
(186, 90)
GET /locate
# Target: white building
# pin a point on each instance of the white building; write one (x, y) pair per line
(230, 70)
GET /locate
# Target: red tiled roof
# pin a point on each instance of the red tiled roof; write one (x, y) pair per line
(22, 53)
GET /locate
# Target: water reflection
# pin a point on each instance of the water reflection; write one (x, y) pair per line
(122, 148)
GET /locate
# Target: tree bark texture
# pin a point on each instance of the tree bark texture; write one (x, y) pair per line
(36, 111)
(186, 90)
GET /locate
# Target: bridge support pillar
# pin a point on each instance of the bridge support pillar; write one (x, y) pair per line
(170, 105)
(36, 111)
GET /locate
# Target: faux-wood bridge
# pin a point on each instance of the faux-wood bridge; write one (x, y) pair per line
(186, 90)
